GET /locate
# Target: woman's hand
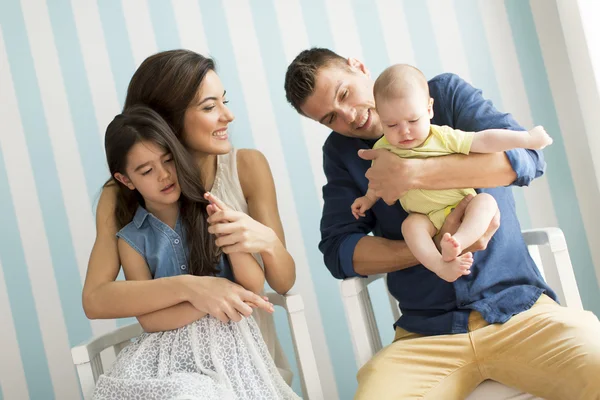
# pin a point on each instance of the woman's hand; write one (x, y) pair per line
(237, 231)
(223, 299)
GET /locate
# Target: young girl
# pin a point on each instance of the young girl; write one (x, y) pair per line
(206, 359)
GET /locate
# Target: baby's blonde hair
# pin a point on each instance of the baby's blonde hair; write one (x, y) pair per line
(399, 81)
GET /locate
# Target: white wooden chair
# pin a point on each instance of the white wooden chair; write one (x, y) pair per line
(547, 247)
(90, 363)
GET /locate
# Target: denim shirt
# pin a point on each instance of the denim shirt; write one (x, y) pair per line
(164, 249)
(504, 280)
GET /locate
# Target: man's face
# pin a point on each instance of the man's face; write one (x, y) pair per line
(343, 101)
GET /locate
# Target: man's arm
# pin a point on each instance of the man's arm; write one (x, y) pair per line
(391, 177)
(347, 249)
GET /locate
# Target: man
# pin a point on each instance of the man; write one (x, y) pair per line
(500, 322)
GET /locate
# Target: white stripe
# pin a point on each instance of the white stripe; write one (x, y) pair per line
(12, 375)
(343, 28)
(96, 61)
(295, 39)
(62, 137)
(395, 32)
(102, 88)
(31, 227)
(564, 93)
(189, 26)
(139, 28)
(513, 93)
(263, 126)
(448, 38)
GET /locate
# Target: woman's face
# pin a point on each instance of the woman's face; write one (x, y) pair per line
(207, 117)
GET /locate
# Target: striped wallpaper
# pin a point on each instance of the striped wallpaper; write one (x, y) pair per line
(64, 69)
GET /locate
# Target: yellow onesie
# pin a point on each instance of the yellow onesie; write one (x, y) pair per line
(436, 204)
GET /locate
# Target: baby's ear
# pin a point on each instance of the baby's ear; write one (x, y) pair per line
(124, 180)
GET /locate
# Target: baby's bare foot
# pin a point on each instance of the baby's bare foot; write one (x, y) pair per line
(452, 270)
(450, 247)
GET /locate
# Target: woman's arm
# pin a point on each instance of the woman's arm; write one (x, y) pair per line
(247, 271)
(103, 297)
(136, 269)
(258, 186)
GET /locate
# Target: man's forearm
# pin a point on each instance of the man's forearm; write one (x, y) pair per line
(460, 171)
(376, 255)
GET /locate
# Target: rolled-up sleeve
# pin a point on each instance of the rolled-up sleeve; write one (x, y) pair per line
(340, 231)
(471, 112)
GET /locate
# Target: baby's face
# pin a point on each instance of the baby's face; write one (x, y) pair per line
(406, 120)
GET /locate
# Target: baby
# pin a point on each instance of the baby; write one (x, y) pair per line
(405, 110)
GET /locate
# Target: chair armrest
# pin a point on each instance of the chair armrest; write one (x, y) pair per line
(556, 263)
(305, 356)
(88, 350)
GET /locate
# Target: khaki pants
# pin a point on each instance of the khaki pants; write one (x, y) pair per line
(549, 351)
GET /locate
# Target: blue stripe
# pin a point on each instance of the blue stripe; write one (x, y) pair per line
(371, 37)
(559, 173)
(422, 38)
(117, 44)
(308, 210)
(79, 96)
(20, 294)
(221, 48)
(317, 25)
(44, 171)
(165, 25)
(477, 51)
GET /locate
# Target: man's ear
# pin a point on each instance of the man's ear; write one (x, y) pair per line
(356, 64)
(124, 180)
(430, 107)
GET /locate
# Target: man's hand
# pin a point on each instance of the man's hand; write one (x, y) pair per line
(454, 220)
(390, 177)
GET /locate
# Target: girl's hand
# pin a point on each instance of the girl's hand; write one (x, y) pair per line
(236, 231)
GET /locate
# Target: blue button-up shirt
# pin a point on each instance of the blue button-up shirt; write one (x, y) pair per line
(164, 249)
(504, 280)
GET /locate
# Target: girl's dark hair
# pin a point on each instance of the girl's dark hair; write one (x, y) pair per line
(168, 83)
(140, 123)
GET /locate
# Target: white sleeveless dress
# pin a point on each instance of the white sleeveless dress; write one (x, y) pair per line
(227, 187)
(206, 359)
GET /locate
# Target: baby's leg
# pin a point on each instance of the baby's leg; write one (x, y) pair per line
(418, 232)
(478, 215)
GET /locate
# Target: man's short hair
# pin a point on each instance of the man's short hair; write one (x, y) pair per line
(301, 74)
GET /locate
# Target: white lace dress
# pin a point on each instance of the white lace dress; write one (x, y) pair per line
(205, 360)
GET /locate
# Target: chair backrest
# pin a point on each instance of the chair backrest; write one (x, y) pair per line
(88, 356)
(91, 357)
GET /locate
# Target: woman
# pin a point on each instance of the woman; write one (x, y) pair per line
(184, 89)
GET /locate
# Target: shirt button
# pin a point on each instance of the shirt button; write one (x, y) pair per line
(176, 241)
(182, 267)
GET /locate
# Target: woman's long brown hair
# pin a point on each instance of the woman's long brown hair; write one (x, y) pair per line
(140, 123)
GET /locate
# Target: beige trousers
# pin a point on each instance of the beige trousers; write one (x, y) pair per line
(549, 351)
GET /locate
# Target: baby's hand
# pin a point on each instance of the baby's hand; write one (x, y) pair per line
(360, 206)
(538, 138)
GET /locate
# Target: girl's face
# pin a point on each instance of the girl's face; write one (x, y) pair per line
(207, 118)
(150, 169)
